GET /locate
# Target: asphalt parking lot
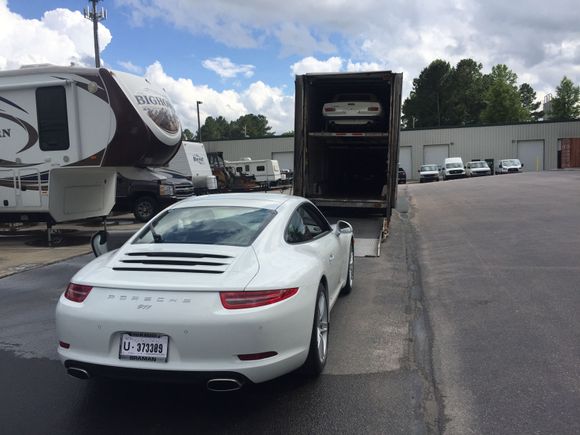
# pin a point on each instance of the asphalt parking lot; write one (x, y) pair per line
(467, 324)
(499, 261)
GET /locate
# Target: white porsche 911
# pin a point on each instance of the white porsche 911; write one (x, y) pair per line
(223, 289)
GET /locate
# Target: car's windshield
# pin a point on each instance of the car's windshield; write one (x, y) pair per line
(429, 168)
(511, 162)
(216, 225)
(479, 165)
(453, 165)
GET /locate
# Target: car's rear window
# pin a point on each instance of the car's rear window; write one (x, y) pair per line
(233, 226)
(355, 97)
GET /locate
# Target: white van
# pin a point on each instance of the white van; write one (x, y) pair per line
(477, 168)
(453, 167)
(265, 171)
(191, 160)
(507, 166)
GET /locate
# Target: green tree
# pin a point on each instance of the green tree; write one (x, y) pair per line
(288, 133)
(502, 98)
(566, 103)
(187, 134)
(467, 89)
(529, 103)
(428, 104)
(251, 125)
(245, 126)
(215, 129)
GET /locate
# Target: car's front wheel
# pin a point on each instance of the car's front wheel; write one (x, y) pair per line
(318, 349)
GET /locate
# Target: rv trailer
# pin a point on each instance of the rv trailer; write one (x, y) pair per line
(64, 131)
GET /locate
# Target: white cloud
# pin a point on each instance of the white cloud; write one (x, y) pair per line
(225, 68)
(60, 37)
(258, 98)
(297, 39)
(131, 67)
(273, 103)
(312, 65)
(535, 38)
(364, 66)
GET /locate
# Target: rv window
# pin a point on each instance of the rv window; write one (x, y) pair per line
(52, 118)
(239, 169)
(247, 168)
(261, 168)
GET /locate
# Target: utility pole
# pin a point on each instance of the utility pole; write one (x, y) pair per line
(198, 123)
(95, 16)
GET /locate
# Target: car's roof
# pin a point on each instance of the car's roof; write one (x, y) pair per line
(269, 201)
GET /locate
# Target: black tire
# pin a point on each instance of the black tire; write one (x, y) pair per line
(144, 208)
(317, 355)
(350, 274)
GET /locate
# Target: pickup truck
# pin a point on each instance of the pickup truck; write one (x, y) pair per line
(146, 191)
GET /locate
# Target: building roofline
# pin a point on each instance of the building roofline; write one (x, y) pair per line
(490, 125)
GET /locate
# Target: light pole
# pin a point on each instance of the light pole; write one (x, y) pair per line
(95, 17)
(198, 122)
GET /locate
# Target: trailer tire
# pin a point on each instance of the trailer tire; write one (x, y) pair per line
(144, 208)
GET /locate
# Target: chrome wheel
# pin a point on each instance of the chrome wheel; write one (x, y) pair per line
(322, 327)
(351, 268)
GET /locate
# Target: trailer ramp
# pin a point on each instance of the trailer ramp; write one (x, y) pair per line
(369, 232)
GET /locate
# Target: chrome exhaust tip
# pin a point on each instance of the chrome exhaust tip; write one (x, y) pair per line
(223, 385)
(78, 373)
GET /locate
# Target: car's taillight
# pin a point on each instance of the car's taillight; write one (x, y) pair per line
(329, 109)
(373, 109)
(252, 299)
(77, 292)
(257, 356)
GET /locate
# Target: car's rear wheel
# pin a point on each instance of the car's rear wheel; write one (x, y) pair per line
(350, 274)
(318, 349)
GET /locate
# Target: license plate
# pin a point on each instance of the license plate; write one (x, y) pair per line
(137, 346)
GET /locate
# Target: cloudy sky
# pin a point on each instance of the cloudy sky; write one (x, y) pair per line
(241, 56)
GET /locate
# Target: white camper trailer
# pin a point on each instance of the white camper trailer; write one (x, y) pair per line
(191, 160)
(266, 171)
(65, 130)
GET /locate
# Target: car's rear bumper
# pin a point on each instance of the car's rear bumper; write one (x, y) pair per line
(203, 336)
(170, 376)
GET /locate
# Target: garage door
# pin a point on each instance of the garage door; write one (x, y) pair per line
(531, 154)
(405, 161)
(285, 159)
(435, 154)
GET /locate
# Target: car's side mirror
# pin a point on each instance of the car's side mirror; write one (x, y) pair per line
(522, 164)
(343, 227)
(99, 243)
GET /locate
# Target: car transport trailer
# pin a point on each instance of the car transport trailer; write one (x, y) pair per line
(350, 167)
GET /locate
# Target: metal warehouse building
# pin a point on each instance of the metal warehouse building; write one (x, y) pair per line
(538, 145)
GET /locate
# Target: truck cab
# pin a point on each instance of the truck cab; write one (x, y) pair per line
(146, 191)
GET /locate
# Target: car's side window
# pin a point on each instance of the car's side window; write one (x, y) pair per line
(305, 224)
(296, 232)
(316, 218)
